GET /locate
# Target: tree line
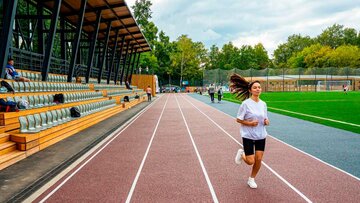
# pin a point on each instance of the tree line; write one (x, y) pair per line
(336, 46)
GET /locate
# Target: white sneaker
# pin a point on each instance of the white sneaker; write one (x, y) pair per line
(238, 156)
(251, 183)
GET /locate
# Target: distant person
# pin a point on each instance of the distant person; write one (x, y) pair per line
(346, 88)
(12, 74)
(127, 85)
(220, 94)
(148, 92)
(137, 96)
(253, 118)
(211, 92)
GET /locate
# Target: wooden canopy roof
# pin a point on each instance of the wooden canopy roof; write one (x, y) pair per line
(115, 12)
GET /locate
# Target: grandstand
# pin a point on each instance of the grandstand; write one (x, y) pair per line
(82, 50)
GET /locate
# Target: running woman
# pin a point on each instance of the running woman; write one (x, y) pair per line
(253, 118)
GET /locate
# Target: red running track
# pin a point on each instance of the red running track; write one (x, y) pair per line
(182, 150)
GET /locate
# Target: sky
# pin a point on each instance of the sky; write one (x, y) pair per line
(249, 22)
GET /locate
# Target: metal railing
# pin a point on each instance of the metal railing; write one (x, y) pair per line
(291, 79)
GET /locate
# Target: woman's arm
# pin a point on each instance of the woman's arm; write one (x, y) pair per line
(247, 122)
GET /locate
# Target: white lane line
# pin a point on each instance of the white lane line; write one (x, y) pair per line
(145, 156)
(267, 166)
(302, 101)
(317, 117)
(334, 167)
(212, 191)
(72, 166)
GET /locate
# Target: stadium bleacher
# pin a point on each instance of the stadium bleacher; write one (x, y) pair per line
(46, 121)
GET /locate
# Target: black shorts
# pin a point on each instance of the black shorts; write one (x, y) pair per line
(249, 145)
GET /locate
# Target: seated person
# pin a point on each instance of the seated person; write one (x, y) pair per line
(127, 84)
(136, 96)
(12, 74)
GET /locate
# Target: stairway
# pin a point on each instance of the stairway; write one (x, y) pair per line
(8, 152)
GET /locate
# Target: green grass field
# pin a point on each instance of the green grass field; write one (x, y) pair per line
(329, 105)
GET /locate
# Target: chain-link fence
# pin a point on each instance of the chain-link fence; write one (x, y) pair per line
(291, 79)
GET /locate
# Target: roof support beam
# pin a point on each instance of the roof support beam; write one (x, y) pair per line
(92, 46)
(75, 45)
(137, 63)
(104, 53)
(119, 61)
(7, 33)
(124, 63)
(112, 58)
(133, 65)
(129, 64)
(63, 43)
(50, 40)
(40, 28)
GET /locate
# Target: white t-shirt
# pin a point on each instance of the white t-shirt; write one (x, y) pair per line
(251, 110)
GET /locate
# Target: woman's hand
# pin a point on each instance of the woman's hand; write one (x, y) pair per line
(266, 121)
(253, 123)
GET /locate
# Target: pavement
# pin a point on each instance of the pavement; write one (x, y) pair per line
(18, 181)
(335, 146)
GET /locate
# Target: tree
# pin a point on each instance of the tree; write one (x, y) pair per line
(294, 44)
(247, 57)
(228, 56)
(142, 12)
(345, 56)
(213, 58)
(148, 59)
(332, 36)
(163, 51)
(316, 55)
(261, 56)
(281, 55)
(187, 58)
(350, 36)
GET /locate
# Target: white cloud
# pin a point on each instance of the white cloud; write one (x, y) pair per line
(210, 34)
(268, 39)
(269, 22)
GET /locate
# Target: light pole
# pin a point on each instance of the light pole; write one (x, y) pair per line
(182, 64)
(202, 67)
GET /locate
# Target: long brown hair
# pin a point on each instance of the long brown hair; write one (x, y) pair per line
(241, 87)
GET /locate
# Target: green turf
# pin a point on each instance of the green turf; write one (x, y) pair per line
(331, 105)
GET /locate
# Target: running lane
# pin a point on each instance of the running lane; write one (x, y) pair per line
(109, 175)
(316, 180)
(172, 171)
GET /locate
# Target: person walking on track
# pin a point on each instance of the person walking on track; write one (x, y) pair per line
(148, 92)
(253, 118)
(220, 94)
(211, 92)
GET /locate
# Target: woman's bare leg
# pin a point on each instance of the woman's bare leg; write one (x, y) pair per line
(257, 164)
(249, 160)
